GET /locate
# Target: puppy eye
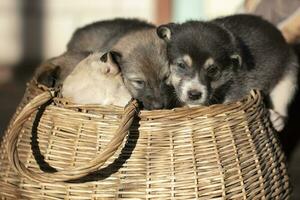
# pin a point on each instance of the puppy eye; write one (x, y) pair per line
(181, 65)
(212, 71)
(138, 83)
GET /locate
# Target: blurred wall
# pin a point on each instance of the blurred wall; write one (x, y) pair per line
(34, 30)
(187, 10)
(217, 8)
(10, 32)
(63, 17)
(203, 9)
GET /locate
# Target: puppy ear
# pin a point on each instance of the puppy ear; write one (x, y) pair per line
(116, 57)
(103, 58)
(49, 75)
(111, 66)
(165, 31)
(236, 60)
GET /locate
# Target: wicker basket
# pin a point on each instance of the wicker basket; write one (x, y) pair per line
(54, 149)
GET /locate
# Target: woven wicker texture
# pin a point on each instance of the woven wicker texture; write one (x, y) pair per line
(217, 152)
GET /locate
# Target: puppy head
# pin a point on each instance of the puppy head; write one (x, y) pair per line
(203, 59)
(143, 62)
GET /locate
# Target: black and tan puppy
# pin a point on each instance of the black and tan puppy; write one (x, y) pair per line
(222, 60)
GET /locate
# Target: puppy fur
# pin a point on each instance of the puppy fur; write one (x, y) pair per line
(140, 54)
(53, 72)
(96, 80)
(221, 60)
(99, 36)
(102, 35)
(144, 65)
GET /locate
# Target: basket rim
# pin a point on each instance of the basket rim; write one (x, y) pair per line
(253, 98)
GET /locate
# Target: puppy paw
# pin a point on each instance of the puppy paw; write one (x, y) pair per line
(277, 120)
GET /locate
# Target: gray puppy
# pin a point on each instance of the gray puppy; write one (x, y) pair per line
(136, 49)
(221, 60)
(103, 35)
(143, 62)
(100, 35)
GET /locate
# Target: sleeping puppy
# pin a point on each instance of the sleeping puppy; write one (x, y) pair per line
(143, 61)
(101, 35)
(139, 53)
(221, 60)
(96, 80)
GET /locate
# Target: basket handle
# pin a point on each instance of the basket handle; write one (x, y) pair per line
(68, 173)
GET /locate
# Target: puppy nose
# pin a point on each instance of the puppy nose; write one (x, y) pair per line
(194, 95)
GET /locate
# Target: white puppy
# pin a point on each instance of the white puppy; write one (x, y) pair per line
(96, 80)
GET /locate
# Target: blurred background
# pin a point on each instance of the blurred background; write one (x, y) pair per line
(34, 30)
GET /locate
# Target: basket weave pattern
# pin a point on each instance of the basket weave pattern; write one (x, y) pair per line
(218, 152)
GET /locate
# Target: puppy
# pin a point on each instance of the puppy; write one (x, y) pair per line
(96, 80)
(139, 53)
(221, 60)
(100, 35)
(143, 62)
